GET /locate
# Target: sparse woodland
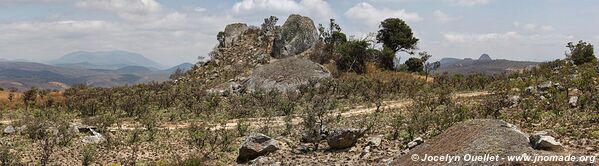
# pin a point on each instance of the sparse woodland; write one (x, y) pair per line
(180, 122)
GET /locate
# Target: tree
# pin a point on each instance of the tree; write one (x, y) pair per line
(396, 35)
(353, 55)
(414, 64)
(331, 39)
(581, 53)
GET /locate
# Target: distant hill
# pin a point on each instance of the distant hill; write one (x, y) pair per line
(134, 69)
(183, 66)
(110, 60)
(24, 75)
(483, 65)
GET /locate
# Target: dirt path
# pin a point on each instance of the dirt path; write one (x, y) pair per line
(278, 121)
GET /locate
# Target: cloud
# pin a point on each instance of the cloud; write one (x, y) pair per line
(317, 9)
(468, 2)
(488, 37)
(442, 17)
(149, 28)
(373, 16)
(534, 27)
(127, 9)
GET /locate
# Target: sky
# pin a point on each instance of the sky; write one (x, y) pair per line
(176, 31)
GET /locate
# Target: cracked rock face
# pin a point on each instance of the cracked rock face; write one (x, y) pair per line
(297, 35)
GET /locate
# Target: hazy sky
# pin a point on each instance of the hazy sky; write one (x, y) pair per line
(175, 31)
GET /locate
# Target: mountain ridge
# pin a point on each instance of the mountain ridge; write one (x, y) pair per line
(111, 60)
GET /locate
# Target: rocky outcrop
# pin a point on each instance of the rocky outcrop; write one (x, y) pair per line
(256, 145)
(297, 35)
(232, 33)
(342, 138)
(285, 75)
(474, 137)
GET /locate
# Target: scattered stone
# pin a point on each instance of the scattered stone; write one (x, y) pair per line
(415, 143)
(514, 100)
(297, 35)
(256, 145)
(304, 148)
(77, 127)
(543, 141)
(375, 141)
(530, 90)
(573, 101)
(95, 138)
(342, 138)
(545, 86)
(9, 130)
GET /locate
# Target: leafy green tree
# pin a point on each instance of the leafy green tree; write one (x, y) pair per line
(414, 65)
(396, 35)
(581, 53)
(331, 39)
(353, 56)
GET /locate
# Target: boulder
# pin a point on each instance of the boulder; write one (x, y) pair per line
(297, 35)
(543, 141)
(474, 137)
(95, 138)
(545, 86)
(232, 33)
(78, 127)
(375, 141)
(415, 142)
(9, 130)
(256, 145)
(285, 75)
(342, 138)
(573, 101)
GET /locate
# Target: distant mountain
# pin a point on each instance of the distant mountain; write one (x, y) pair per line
(183, 66)
(24, 75)
(485, 57)
(111, 60)
(483, 65)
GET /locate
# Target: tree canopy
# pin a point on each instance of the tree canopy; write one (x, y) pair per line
(581, 53)
(396, 35)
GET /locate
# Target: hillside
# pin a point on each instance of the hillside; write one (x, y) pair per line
(110, 60)
(483, 65)
(24, 75)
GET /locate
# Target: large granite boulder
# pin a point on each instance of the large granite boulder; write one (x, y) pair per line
(476, 137)
(232, 33)
(297, 35)
(285, 75)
